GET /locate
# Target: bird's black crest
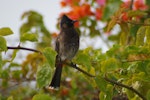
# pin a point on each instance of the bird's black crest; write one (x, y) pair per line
(67, 21)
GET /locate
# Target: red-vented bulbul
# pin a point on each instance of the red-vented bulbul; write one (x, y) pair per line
(67, 45)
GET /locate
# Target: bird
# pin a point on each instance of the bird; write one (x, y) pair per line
(66, 46)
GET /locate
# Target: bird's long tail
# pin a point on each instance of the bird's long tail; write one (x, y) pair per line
(55, 83)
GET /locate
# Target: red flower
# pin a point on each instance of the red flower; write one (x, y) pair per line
(126, 4)
(124, 16)
(98, 13)
(78, 12)
(69, 2)
(137, 4)
(63, 4)
(140, 5)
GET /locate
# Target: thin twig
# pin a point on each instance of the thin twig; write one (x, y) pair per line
(137, 23)
(79, 69)
(131, 5)
(125, 61)
(23, 48)
(111, 81)
(125, 86)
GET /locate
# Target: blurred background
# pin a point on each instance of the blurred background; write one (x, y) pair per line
(108, 36)
(11, 12)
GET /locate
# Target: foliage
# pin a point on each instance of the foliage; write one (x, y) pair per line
(127, 61)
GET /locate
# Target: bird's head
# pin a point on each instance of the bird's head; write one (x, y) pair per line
(67, 22)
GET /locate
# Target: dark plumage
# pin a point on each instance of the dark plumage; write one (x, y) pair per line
(67, 45)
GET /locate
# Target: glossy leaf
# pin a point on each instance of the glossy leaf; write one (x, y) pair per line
(109, 93)
(29, 37)
(125, 33)
(41, 97)
(5, 31)
(50, 55)
(5, 74)
(3, 46)
(147, 35)
(10, 98)
(123, 38)
(140, 35)
(84, 60)
(43, 76)
(0, 64)
(110, 64)
(25, 28)
(14, 55)
(101, 83)
(148, 95)
(102, 96)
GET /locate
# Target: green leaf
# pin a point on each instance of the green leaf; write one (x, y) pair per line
(147, 2)
(3, 46)
(5, 74)
(0, 64)
(50, 55)
(84, 60)
(43, 76)
(108, 94)
(114, 50)
(148, 95)
(16, 74)
(125, 33)
(10, 98)
(29, 37)
(5, 31)
(102, 96)
(133, 30)
(14, 55)
(110, 64)
(101, 83)
(140, 35)
(147, 33)
(41, 97)
(25, 28)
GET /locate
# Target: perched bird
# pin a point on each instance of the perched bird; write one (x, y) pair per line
(67, 45)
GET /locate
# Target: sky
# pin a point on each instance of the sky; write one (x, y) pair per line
(11, 11)
(10, 16)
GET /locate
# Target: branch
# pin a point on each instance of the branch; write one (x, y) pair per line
(108, 80)
(79, 69)
(137, 23)
(131, 5)
(124, 61)
(88, 74)
(125, 86)
(23, 48)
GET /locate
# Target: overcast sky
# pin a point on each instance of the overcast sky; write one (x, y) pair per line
(11, 11)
